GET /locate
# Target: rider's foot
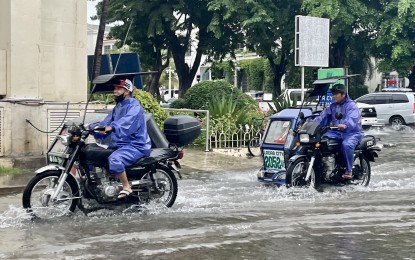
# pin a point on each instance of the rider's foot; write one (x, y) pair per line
(125, 193)
(347, 176)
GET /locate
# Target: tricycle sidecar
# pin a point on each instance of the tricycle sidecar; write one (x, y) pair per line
(277, 143)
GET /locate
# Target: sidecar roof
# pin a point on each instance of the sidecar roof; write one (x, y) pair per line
(290, 113)
(321, 86)
(104, 83)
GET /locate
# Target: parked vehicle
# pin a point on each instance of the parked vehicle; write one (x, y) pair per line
(392, 107)
(167, 103)
(369, 115)
(321, 160)
(77, 170)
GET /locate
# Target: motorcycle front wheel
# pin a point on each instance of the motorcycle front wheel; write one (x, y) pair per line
(297, 172)
(37, 194)
(165, 190)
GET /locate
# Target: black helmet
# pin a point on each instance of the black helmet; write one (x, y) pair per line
(338, 88)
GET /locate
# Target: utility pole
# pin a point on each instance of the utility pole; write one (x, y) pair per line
(100, 40)
(169, 70)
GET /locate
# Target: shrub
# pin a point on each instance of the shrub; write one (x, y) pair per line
(199, 96)
(179, 103)
(151, 105)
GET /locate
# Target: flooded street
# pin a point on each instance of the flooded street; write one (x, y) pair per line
(222, 212)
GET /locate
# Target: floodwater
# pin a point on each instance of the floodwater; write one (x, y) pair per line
(223, 213)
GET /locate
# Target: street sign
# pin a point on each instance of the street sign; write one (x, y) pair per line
(312, 41)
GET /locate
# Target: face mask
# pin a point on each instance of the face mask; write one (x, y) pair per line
(119, 98)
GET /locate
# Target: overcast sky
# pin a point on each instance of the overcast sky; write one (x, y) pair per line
(92, 11)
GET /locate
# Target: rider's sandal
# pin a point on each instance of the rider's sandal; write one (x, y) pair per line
(347, 176)
(124, 194)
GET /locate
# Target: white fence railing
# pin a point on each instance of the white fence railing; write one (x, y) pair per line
(222, 137)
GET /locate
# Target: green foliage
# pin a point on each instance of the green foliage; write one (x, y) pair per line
(224, 109)
(356, 91)
(151, 105)
(282, 102)
(179, 103)
(11, 170)
(201, 94)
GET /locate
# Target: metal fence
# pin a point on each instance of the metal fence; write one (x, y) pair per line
(222, 137)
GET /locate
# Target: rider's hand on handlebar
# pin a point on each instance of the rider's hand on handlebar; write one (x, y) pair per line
(342, 126)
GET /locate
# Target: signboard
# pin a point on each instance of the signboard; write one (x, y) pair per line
(312, 36)
(327, 73)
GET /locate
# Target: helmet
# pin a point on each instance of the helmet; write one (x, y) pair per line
(125, 83)
(338, 88)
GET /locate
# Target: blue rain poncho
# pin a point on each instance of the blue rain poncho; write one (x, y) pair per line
(352, 135)
(129, 137)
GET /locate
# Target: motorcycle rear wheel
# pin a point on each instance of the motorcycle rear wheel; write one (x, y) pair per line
(167, 187)
(36, 196)
(364, 181)
(297, 172)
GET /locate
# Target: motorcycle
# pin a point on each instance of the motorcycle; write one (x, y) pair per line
(78, 170)
(319, 159)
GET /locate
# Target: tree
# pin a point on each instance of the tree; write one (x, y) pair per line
(395, 37)
(268, 27)
(351, 33)
(100, 40)
(174, 27)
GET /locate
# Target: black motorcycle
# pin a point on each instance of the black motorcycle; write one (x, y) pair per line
(78, 170)
(319, 160)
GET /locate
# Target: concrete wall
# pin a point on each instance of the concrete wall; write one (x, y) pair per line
(43, 56)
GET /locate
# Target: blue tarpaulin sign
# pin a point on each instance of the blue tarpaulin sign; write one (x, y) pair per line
(127, 63)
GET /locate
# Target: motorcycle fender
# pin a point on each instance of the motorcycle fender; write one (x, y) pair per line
(50, 167)
(295, 157)
(55, 167)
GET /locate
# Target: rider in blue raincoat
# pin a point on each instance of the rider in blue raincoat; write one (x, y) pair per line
(350, 126)
(129, 137)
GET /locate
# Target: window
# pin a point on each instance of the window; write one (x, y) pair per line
(277, 132)
(107, 49)
(367, 99)
(400, 98)
(383, 99)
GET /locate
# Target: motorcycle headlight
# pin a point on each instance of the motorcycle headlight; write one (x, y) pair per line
(304, 138)
(65, 139)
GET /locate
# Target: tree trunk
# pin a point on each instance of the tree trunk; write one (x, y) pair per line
(100, 41)
(278, 71)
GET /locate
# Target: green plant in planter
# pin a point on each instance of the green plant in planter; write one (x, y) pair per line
(150, 105)
(282, 102)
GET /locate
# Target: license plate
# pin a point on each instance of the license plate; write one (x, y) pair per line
(274, 160)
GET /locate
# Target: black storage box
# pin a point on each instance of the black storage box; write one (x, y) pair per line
(181, 130)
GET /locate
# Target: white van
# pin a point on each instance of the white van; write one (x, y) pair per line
(394, 108)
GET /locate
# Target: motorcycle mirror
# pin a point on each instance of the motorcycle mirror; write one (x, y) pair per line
(338, 115)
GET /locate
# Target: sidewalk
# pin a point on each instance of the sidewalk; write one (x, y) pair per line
(193, 161)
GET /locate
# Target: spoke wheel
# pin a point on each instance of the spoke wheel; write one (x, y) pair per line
(297, 172)
(38, 192)
(166, 190)
(254, 145)
(361, 172)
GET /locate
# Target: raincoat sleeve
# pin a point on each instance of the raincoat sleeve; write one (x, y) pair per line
(106, 121)
(352, 117)
(127, 124)
(324, 118)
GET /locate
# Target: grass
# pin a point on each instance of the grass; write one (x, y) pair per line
(10, 170)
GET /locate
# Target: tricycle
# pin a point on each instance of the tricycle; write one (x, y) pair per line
(290, 159)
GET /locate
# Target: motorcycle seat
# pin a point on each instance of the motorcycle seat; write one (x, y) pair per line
(367, 141)
(156, 155)
(98, 156)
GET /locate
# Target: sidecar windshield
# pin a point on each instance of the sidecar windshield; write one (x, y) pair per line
(277, 132)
